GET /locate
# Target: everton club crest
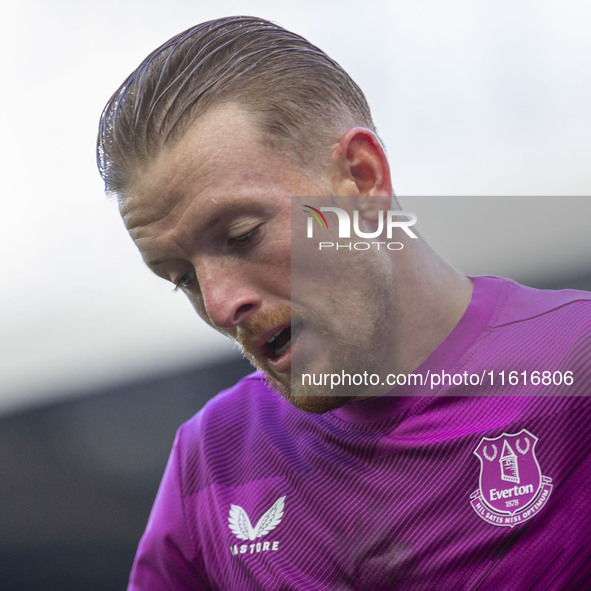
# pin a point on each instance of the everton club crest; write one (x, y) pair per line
(512, 488)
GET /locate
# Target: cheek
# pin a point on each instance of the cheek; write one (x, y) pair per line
(273, 271)
(199, 307)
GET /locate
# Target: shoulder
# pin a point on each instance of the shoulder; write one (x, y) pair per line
(538, 330)
(521, 303)
(232, 412)
(235, 431)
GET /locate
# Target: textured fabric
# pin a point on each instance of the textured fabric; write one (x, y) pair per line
(446, 491)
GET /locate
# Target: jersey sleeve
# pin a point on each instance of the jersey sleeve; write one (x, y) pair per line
(167, 558)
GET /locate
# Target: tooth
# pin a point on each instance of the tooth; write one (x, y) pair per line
(274, 336)
(283, 349)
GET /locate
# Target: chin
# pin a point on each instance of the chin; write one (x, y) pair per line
(308, 401)
(318, 404)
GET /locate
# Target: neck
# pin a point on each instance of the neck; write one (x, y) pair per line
(434, 296)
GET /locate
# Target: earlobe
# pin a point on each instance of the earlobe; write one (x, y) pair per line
(363, 166)
(371, 207)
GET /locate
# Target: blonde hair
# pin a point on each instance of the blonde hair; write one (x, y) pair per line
(300, 98)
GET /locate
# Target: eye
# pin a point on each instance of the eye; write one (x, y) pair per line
(185, 282)
(245, 238)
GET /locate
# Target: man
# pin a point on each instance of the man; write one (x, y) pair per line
(290, 480)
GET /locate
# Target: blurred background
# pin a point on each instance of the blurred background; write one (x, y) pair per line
(484, 110)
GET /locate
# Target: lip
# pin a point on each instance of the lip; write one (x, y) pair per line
(259, 344)
(280, 364)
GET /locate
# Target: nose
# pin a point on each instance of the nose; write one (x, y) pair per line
(228, 294)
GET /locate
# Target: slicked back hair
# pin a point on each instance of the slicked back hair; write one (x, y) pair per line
(300, 99)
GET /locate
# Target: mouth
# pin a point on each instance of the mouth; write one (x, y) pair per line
(278, 344)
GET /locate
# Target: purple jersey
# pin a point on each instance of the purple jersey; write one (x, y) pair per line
(453, 490)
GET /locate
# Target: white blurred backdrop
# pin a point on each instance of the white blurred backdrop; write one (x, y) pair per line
(471, 98)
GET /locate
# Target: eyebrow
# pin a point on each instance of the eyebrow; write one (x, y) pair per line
(153, 263)
(221, 212)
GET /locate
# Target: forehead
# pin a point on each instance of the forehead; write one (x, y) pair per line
(221, 152)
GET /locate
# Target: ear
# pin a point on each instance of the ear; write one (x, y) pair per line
(362, 170)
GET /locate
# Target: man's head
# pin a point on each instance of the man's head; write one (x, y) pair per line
(300, 100)
(205, 144)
